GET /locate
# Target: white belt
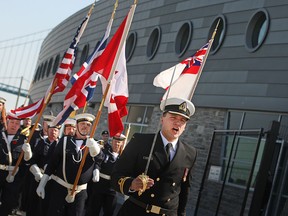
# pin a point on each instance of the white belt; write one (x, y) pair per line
(67, 185)
(6, 167)
(104, 176)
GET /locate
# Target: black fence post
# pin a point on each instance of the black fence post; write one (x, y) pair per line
(260, 189)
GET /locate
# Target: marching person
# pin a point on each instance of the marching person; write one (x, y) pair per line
(41, 155)
(69, 127)
(2, 113)
(105, 138)
(165, 188)
(63, 168)
(11, 145)
(102, 195)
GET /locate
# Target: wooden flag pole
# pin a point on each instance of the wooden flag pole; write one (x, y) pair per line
(125, 142)
(95, 124)
(35, 125)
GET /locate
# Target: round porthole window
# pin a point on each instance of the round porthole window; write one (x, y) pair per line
(130, 45)
(56, 64)
(257, 30)
(40, 72)
(36, 74)
(153, 42)
(183, 38)
(49, 67)
(84, 54)
(220, 33)
(44, 70)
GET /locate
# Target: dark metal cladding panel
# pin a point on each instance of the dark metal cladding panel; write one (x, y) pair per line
(233, 77)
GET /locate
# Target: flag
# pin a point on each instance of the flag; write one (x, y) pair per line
(100, 46)
(83, 82)
(62, 75)
(28, 111)
(183, 75)
(117, 96)
(103, 64)
(77, 96)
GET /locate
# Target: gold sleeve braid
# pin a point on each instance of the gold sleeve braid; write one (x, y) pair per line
(121, 183)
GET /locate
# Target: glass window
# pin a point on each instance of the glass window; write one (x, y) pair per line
(138, 117)
(49, 67)
(84, 54)
(255, 120)
(130, 45)
(242, 156)
(220, 33)
(44, 70)
(56, 64)
(257, 30)
(153, 42)
(183, 38)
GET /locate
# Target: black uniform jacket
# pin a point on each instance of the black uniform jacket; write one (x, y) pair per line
(43, 152)
(15, 148)
(72, 161)
(104, 185)
(171, 180)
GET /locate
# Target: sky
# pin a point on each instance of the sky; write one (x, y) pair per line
(23, 17)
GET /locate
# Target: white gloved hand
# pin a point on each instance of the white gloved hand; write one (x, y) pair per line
(94, 148)
(41, 187)
(96, 175)
(10, 177)
(35, 170)
(27, 151)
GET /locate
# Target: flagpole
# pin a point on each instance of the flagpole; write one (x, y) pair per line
(112, 18)
(144, 177)
(71, 196)
(158, 127)
(204, 60)
(48, 98)
(125, 142)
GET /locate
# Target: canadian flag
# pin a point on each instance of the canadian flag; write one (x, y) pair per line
(117, 96)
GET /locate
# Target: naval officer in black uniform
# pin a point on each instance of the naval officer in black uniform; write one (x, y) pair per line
(169, 180)
(102, 195)
(12, 142)
(63, 168)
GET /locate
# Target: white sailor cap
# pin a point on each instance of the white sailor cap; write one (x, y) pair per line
(12, 116)
(48, 118)
(50, 125)
(120, 137)
(178, 106)
(2, 100)
(84, 117)
(70, 122)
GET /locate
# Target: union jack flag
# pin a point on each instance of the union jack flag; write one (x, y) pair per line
(83, 82)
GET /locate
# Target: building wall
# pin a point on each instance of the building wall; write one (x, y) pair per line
(233, 77)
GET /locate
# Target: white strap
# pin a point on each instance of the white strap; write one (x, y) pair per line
(8, 148)
(67, 185)
(104, 176)
(64, 159)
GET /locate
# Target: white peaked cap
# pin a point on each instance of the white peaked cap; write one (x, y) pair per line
(178, 106)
